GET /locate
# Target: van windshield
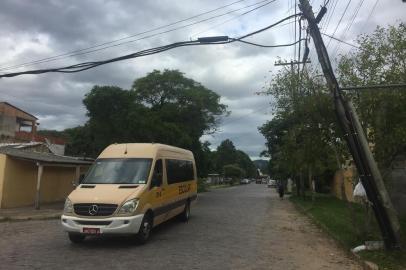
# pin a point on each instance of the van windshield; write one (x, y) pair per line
(119, 171)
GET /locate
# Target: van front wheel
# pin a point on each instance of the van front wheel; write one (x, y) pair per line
(185, 215)
(145, 230)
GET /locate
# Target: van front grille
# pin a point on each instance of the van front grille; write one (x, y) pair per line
(94, 209)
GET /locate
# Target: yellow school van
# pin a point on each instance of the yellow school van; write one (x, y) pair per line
(129, 189)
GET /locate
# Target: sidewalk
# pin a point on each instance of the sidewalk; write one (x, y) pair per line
(47, 211)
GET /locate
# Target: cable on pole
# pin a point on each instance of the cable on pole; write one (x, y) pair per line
(103, 46)
(202, 41)
(342, 41)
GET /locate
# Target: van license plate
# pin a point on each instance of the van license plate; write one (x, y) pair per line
(91, 230)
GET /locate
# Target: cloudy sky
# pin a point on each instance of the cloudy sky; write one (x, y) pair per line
(34, 30)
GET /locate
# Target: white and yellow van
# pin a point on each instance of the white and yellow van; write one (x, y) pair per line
(130, 189)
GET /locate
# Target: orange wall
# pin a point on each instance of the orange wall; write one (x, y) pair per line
(20, 181)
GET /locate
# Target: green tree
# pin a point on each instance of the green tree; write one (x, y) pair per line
(227, 154)
(162, 107)
(381, 59)
(233, 171)
(244, 161)
(303, 140)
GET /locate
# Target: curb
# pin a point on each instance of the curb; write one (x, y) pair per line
(366, 265)
(27, 218)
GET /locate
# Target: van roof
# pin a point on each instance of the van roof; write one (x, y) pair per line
(143, 150)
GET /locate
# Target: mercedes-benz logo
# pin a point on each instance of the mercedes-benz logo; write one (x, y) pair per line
(93, 209)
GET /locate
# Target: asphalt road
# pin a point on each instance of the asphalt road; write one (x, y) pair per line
(244, 227)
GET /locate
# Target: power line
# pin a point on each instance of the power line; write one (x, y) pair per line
(338, 24)
(269, 46)
(342, 41)
(349, 24)
(144, 32)
(233, 18)
(92, 49)
(201, 41)
(294, 55)
(327, 22)
(370, 14)
(378, 86)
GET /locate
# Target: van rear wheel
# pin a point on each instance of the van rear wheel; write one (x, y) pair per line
(185, 215)
(76, 238)
(145, 230)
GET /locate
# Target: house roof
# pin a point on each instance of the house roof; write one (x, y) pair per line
(11, 105)
(43, 157)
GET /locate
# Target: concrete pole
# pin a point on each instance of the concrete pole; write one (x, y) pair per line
(357, 142)
(38, 191)
(77, 175)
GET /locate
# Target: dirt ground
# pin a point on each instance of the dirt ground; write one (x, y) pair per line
(296, 243)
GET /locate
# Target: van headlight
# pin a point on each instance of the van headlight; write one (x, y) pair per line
(68, 207)
(129, 207)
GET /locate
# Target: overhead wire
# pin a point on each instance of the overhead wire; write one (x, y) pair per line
(326, 22)
(201, 41)
(144, 32)
(102, 46)
(370, 14)
(348, 27)
(233, 18)
(342, 41)
(339, 22)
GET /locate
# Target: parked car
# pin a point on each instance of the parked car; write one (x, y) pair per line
(258, 181)
(245, 181)
(271, 183)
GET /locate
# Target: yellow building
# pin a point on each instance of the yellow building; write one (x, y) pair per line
(29, 175)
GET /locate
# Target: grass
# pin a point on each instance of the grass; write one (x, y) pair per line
(346, 223)
(202, 186)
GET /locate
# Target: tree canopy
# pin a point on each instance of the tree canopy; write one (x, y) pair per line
(227, 154)
(163, 107)
(304, 137)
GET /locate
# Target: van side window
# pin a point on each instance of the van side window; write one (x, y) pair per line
(179, 170)
(157, 176)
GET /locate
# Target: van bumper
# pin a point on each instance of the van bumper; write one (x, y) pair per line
(112, 225)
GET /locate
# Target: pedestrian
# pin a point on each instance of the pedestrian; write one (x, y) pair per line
(281, 189)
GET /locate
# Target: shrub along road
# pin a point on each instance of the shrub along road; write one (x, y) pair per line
(243, 227)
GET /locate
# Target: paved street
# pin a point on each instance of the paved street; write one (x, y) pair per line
(244, 227)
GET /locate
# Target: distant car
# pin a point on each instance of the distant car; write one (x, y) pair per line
(271, 183)
(258, 181)
(263, 181)
(245, 181)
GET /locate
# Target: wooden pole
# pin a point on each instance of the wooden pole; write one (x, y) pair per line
(38, 192)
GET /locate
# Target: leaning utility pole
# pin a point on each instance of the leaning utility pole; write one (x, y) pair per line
(356, 141)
